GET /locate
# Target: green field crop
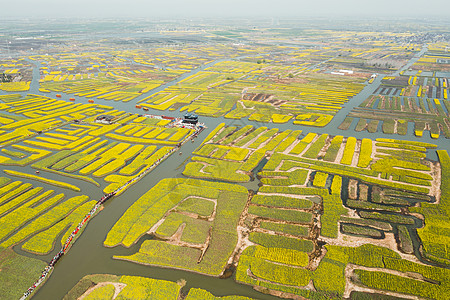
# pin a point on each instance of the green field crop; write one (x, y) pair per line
(195, 205)
(288, 141)
(392, 218)
(267, 135)
(361, 230)
(202, 167)
(223, 132)
(303, 143)
(349, 151)
(333, 149)
(365, 154)
(18, 273)
(44, 180)
(345, 125)
(236, 135)
(314, 149)
(332, 209)
(281, 214)
(250, 136)
(355, 204)
(286, 228)
(296, 177)
(277, 241)
(320, 179)
(368, 222)
(384, 281)
(281, 201)
(406, 244)
(196, 230)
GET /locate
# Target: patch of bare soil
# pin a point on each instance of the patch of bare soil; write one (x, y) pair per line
(118, 287)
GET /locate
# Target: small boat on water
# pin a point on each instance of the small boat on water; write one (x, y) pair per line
(58, 95)
(72, 99)
(91, 101)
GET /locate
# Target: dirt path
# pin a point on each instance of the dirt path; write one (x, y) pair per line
(118, 287)
(340, 153)
(435, 189)
(356, 154)
(243, 234)
(350, 241)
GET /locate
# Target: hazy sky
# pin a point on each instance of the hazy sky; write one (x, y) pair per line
(195, 8)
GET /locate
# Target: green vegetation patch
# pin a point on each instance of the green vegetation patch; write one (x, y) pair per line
(360, 230)
(296, 177)
(281, 201)
(333, 149)
(281, 214)
(286, 228)
(18, 273)
(195, 205)
(277, 241)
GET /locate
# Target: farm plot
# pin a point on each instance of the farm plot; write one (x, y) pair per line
(18, 272)
(377, 269)
(135, 287)
(231, 154)
(435, 59)
(311, 99)
(106, 76)
(117, 85)
(364, 190)
(425, 106)
(36, 114)
(192, 239)
(116, 162)
(38, 216)
(243, 89)
(356, 204)
(202, 93)
(83, 149)
(382, 181)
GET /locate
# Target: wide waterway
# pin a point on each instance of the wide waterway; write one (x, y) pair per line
(88, 256)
